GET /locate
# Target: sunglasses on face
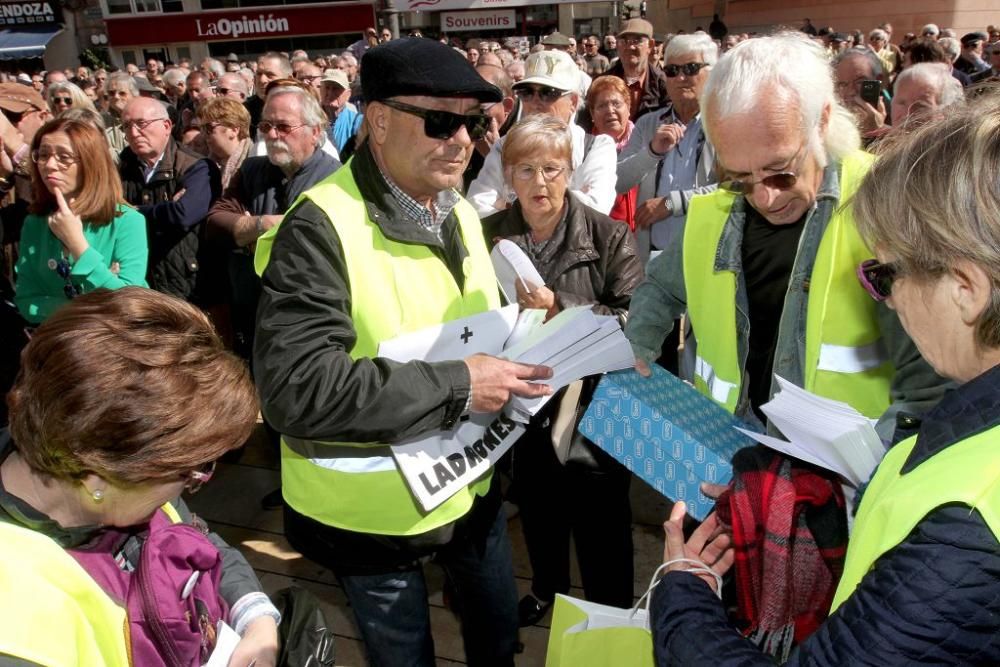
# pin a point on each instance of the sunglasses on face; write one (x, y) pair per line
(546, 94)
(265, 127)
(62, 100)
(877, 278)
(444, 124)
(688, 69)
(784, 180)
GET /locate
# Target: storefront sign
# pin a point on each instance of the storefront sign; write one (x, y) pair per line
(217, 26)
(436, 5)
(502, 19)
(18, 14)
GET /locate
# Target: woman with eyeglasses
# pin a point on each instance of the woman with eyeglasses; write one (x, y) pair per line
(565, 485)
(921, 580)
(64, 95)
(608, 102)
(79, 235)
(124, 401)
(225, 126)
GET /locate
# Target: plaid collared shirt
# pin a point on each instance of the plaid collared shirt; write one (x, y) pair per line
(430, 220)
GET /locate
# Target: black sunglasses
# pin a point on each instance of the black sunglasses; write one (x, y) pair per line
(62, 268)
(689, 69)
(784, 180)
(444, 124)
(546, 94)
(877, 278)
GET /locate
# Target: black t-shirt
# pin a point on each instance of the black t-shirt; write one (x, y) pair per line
(768, 257)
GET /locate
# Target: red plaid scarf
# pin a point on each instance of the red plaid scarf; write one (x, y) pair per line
(789, 530)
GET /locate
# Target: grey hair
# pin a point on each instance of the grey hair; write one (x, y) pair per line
(930, 28)
(878, 33)
(949, 91)
(80, 99)
(312, 112)
(348, 58)
(536, 134)
(951, 46)
(790, 61)
(931, 201)
(697, 44)
(121, 77)
(84, 115)
(173, 76)
(215, 66)
(864, 53)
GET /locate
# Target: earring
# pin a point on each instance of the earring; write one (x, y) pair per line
(98, 495)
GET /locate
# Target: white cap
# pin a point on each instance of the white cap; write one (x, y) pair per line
(551, 68)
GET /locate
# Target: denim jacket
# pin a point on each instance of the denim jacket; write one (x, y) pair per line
(661, 299)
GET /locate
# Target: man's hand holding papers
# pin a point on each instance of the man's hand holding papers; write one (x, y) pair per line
(495, 380)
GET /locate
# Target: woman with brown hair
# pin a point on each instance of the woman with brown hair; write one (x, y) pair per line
(225, 125)
(609, 103)
(80, 235)
(125, 400)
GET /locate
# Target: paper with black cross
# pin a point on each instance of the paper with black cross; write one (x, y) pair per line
(439, 464)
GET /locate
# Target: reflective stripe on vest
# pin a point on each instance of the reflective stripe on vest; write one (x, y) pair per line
(52, 612)
(965, 473)
(395, 288)
(845, 358)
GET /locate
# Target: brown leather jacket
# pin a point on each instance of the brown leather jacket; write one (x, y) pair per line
(598, 264)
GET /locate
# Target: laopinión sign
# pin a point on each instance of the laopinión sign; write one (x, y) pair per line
(234, 28)
(29, 13)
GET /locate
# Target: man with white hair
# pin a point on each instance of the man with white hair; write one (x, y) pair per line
(231, 84)
(922, 92)
(551, 86)
(767, 265)
(668, 156)
(930, 31)
(767, 272)
(878, 42)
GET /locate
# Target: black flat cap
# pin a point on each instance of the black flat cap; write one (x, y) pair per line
(418, 66)
(971, 38)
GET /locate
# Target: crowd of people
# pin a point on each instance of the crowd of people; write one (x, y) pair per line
(183, 246)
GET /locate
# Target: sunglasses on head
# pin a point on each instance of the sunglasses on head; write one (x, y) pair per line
(689, 69)
(546, 94)
(444, 124)
(877, 278)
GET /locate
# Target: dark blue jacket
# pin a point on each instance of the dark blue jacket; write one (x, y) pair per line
(934, 599)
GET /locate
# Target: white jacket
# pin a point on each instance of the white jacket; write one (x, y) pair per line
(593, 180)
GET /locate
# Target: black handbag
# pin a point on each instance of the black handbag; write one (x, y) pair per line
(306, 636)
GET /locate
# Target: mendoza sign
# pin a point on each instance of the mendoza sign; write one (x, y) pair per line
(16, 14)
(501, 19)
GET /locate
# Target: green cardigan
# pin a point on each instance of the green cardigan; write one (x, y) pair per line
(39, 290)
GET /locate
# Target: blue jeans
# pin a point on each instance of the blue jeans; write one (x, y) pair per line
(393, 616)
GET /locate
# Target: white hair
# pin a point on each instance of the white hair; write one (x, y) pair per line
(878, 33)
(792, 62)
(951, 46)
(697, 44)
(948, 90)
(312, 112)
(174, 76)
(930, 28)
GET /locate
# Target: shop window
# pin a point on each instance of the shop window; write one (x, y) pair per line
(119, 6)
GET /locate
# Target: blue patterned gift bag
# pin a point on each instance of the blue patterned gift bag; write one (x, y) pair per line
(665, 432)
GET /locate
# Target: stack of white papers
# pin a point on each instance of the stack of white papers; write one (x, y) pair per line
(821, 431)
(574, 344)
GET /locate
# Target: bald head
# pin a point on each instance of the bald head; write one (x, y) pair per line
(147, 128)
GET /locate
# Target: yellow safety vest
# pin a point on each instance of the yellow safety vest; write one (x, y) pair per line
(845, 357)
(965, 473)
(52, 612)
(395, 288)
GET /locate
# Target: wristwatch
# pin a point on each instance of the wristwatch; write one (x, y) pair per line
(667, 206)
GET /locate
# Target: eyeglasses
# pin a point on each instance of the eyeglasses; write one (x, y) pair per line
(546, 94)
(614, 105)
(633, 39)
(526, 172)
(877, 278)
(64, 271)
(444, 124)
(63, 158)
(689, 69)
(198, 478)
(223, 92)
(265, 127)
(68, 101)
(140, 124)
(784, 180)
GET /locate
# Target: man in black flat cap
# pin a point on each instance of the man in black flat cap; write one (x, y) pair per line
(383, 247)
